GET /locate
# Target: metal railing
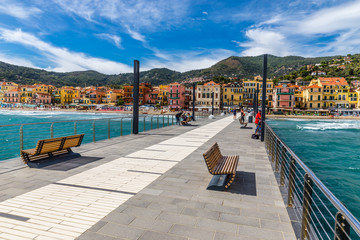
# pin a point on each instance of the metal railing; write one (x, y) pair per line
(16, 137)
(320, 214)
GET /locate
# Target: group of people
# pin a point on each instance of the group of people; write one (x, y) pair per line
(183, 118)
(257, 121)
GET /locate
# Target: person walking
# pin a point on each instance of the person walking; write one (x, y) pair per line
(234, 112)
(242, 115)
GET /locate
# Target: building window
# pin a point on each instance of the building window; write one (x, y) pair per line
(310, 105)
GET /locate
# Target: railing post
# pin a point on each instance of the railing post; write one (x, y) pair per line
(157, 125)
(108, 128)
(21, 138)
(93, 126)
(131, 123)
(144, 125)
(307, 199)
(342, 228)
(52, 130)
(172, 120)
(151, 122)
(283, 162)
(75, 128)
(168, 120)
(163, 121)
(272, 147)
(121, 127)
(277, 157)
(291, 183)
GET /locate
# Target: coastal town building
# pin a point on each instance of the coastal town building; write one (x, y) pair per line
(204, 95)
(232, 95)
(284, 96)
(177, 96)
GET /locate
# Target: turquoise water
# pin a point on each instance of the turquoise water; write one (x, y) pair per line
(85, 122)
(330, 148)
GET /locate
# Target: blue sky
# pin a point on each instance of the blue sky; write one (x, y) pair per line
(107, 35)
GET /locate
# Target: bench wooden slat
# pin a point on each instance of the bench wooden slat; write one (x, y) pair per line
(51, 147)
(218, 164)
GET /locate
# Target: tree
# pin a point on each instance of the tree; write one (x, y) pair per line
(120, 102)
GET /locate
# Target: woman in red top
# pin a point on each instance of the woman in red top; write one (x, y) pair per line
(257, 122)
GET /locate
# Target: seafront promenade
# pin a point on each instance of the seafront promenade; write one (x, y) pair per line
(147, 186)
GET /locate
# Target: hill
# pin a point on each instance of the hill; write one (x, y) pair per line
(241, 67)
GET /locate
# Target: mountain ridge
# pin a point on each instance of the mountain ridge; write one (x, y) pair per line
(240, 67)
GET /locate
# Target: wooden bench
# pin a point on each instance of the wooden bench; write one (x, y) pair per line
(49, 148)
(222, 167)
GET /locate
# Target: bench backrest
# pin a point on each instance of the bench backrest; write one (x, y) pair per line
(73, 141)
(56, 144)
(212, 157)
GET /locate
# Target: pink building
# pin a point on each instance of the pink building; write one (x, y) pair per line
(177, 96)
(12, 97)
(42, 98)
(284, 96)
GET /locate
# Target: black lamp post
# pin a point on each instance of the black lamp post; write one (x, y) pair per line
(136, 97)
(212, 103)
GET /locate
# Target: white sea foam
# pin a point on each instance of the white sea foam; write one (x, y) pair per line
(329, 125)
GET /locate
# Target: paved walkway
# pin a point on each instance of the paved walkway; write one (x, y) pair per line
(150, 186)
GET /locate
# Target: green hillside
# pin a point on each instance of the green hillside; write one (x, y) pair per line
(241, 67)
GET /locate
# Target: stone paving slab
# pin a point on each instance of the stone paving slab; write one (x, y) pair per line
(150, 186)
(178, 206)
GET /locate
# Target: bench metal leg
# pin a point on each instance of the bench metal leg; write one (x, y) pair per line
(218, 182)
(231, 178)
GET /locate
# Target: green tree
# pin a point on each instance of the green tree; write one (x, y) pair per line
(120, 102)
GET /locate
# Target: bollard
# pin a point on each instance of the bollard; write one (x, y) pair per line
(342, 228)
(75, 128)
(21, 138)
(307, 199)
(291, 183)
(52, 130)
(108, 128)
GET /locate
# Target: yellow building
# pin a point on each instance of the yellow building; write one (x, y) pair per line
(313, 97)
(27, 93)
(232, 95)
(335, 92)
(250, 87)
(113, 96)
(299, 97)
(67, 94)
(42, 88)
(163, 95)
(354, 99)
(7, 87)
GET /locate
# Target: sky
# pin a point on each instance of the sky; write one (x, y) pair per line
(182, 35)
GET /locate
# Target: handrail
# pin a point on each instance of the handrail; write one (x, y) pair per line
(80, 120)
(352, 220)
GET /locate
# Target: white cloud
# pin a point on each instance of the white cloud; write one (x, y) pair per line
(16, 10)
(265, 41)
(205, 13)
(112, 38)
(308, 32)
(330, 20)
(135, 35)
(137, 14)
(190, 60)
(16, 61)
(63, 59)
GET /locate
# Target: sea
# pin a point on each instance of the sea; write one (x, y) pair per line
(331, 149)
(39, 125)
